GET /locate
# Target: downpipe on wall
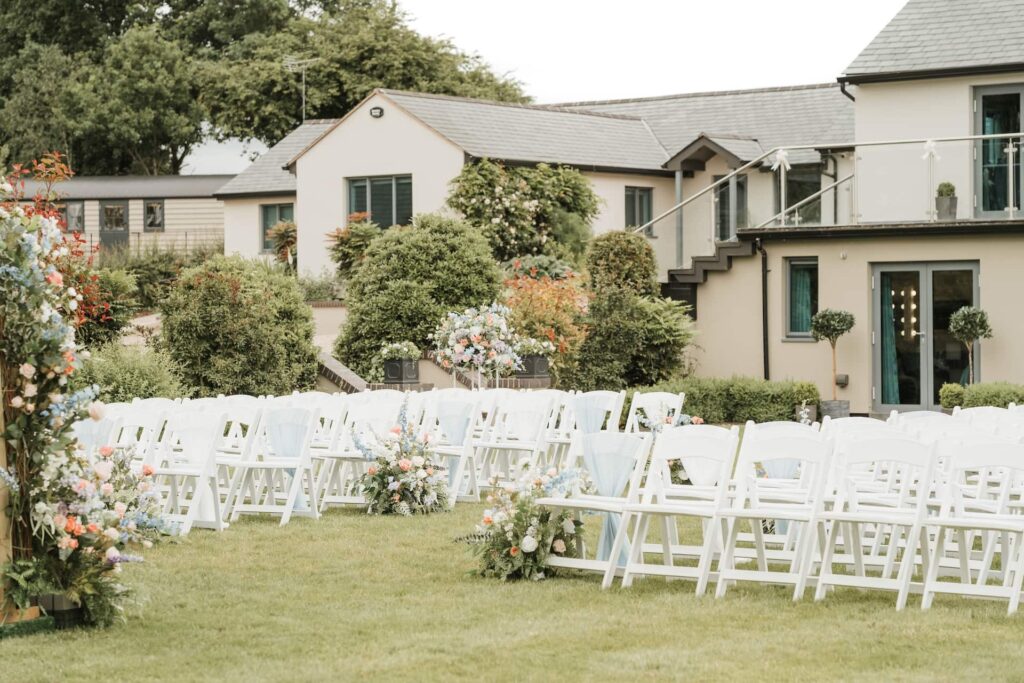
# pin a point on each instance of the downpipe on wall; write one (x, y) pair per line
(759, 245)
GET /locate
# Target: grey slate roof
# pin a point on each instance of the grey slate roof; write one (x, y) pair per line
(940, 35)
(135, 186)
(797, 115)
(513, 132)
(266, 175)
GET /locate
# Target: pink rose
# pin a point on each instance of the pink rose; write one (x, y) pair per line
(97, 410)
(55, 278)
(371, 470)
(396, 430)
(405, 464)
(558, 546)
(107, 489)
(103, 469)
(27, 370)
(106, 451)
(697, 420)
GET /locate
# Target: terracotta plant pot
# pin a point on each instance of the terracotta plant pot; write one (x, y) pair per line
(534, 366)
(404, 371)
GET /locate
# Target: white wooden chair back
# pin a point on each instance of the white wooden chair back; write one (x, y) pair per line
(655, 405)
(707, 454)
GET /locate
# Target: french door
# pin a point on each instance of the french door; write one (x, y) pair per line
(914, 354)
(997, 112)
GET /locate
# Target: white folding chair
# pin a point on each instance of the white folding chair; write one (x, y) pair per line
(514, 435)
(708, 454)
(982, 497)
(92, 434)
(761, 498)
(651, 406)
(898, 513)
(186, 472)
(616, 463)
(280, 481)
(456, 421)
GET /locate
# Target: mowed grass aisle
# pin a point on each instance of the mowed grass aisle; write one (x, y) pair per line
(355, 598)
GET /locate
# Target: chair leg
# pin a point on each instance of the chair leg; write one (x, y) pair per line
(636, 552)
(826, 563)
(931, 578)
(707, 554)
(730, 532)
(907, 566)
(1017, 566)
(620, 541)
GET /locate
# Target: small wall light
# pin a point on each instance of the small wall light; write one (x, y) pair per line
(843, 380)
(376, 112)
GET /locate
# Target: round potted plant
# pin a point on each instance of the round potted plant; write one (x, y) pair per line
(945, 202)
(830, 325)
(535, 355)
(969, 325)
(401, 363)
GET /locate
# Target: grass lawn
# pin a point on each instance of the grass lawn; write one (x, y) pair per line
(355, 597)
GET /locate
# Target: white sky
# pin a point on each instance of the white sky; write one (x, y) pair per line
(565, 50)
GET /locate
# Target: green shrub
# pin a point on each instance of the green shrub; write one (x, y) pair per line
(117, 289)
(323, 287)
(537, 267)
(240, 327)
(951, 395)
(738, 399)
(570, 236)
(411, 278)
(348, 245)
(630, 340)
(622, 260)
(284, 235)
(127, 372)
(155, 268)
(998, 394)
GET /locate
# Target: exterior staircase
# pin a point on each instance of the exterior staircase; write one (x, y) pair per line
(683, 282)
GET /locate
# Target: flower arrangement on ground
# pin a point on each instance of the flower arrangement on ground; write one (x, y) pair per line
(516, 535)
(403, 477)
(479, 341)
(88, 510)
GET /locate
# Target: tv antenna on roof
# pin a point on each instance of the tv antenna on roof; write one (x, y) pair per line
(295, 64)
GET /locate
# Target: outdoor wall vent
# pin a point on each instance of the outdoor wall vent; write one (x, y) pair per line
(376, 112)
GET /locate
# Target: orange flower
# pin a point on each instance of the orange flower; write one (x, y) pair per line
(488, 520)
(92, 528)
(69, 525)
(513, 551)
(147, 470)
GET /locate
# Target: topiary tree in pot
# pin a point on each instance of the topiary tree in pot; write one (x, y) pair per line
(969, 325)
(830, 325)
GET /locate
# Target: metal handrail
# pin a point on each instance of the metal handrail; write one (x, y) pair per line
(804, 201)
(843, 145)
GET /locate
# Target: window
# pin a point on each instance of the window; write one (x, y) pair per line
(801, 183)
(114, 215)
(801, 295)
(639, 201)
(723, 224)
(271, 215)
(387, 199)
(999, 112)
(154, 215)
(73, 214)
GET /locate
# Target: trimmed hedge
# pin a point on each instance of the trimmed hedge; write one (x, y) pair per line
(127, 372)
(622, 260)
(997, 394)
(738, 399)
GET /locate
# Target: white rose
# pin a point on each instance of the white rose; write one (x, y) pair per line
(569, 527)
(30, 390)
(17, 402)
(113, 554)
(529, 544)
(417, 460)
(112, 533)
(27, 370)
(422, 474)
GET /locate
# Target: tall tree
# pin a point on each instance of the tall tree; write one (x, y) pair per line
(146, 100)
(361, 45)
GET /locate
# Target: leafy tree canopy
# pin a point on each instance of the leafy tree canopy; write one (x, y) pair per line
(137, 84)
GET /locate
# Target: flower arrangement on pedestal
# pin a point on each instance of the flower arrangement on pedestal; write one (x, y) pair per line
(478, 341)
(403, 477)
(516, 535)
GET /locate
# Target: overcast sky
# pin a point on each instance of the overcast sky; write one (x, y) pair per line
(566, 50)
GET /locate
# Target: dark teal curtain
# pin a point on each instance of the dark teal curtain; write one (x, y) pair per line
(800, 300)
(890, 371)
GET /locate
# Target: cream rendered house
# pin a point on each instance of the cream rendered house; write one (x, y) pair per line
(264, 194)
(762, 206)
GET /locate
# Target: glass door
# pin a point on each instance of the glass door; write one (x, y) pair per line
(998, 112)
(914, 354)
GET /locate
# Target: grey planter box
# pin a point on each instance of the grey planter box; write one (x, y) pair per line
(835, 409)
(405, 371)
(945, 208)
(534, 366)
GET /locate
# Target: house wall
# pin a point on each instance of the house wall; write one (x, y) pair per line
(730, 309)
(188, 223)
(243, 227)
(395, 144)
(611, 189)
(893, 182)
